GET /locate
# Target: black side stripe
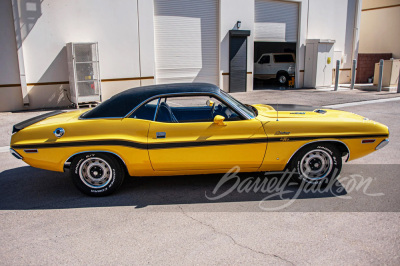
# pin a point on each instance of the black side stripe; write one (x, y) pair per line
(205, 143)
(139, 145)
(152, 146)
(125, 143)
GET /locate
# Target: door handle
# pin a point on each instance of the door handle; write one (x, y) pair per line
(161, 135)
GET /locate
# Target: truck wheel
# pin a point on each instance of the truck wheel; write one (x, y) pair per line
(282, 78)
(96, 174)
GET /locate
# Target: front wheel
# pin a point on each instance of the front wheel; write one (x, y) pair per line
(317, 164)
(282, 78)
(96, 174)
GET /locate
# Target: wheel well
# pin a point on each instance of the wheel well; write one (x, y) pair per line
(343, 149)
(115, 156)
(282, 72)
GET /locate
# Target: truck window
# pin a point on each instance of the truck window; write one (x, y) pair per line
(283, 58)
(264, 60)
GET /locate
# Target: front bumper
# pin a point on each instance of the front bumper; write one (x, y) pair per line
(382, 144)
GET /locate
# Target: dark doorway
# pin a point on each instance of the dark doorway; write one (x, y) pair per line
(277, 72)
(238, 60)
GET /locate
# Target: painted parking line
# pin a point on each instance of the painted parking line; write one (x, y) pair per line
(362, 103)
(5, 149)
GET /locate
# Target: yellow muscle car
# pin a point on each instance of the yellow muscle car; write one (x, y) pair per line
(194, 128)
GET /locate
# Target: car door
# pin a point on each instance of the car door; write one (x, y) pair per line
(204, 145)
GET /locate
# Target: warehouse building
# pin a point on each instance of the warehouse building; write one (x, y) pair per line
(379, 37)
(143, 42)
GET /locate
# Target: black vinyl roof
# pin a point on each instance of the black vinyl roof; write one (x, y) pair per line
(122, 103)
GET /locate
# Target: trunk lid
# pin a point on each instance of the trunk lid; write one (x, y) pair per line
(54, 117)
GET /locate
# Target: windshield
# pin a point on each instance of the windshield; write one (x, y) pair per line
(246, 109)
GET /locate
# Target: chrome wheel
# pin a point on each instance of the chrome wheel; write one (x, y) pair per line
(95, 172)
(316, 165)
(282, 79)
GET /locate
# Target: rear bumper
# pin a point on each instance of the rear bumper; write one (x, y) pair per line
(16, 154)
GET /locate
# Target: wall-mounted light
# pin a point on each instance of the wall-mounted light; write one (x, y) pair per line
(238, 23)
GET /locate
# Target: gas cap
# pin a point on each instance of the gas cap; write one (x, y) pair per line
(59, 132)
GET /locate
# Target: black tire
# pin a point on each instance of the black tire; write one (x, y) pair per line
(282, 78)
(316, 164)
(96, 174)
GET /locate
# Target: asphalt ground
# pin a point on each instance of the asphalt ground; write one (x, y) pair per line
(175, 220)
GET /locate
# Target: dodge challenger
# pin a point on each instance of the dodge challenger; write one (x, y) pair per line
(192, 128)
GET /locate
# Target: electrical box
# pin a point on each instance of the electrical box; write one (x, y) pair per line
(390, 75)
(84, 73)
(319, 63)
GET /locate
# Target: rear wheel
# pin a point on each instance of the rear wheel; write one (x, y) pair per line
(317, 164)
(96, 174)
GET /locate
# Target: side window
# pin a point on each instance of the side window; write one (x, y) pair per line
(193, 109)
(146, 111)
(283, 58)
(265, 59)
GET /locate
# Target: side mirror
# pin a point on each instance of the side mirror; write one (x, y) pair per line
(209, 103)
(219, 120)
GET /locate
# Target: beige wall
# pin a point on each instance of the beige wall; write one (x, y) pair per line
(367, 4)
(11, 99)
(110, 88)
(344, 76)
(380, 27)
(54, 95)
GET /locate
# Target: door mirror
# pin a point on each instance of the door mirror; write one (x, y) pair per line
(219, 120)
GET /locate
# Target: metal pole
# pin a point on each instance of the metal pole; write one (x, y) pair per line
(398, 84)
(337, 75)
(380, 75)
(20, 55)
(353, 74)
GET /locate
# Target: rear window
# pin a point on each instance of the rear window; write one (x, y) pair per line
(283, 58)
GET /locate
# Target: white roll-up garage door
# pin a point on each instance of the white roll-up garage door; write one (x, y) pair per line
(186, 41)
(276, 21)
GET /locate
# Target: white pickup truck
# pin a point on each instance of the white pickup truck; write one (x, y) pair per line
(275, 65)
